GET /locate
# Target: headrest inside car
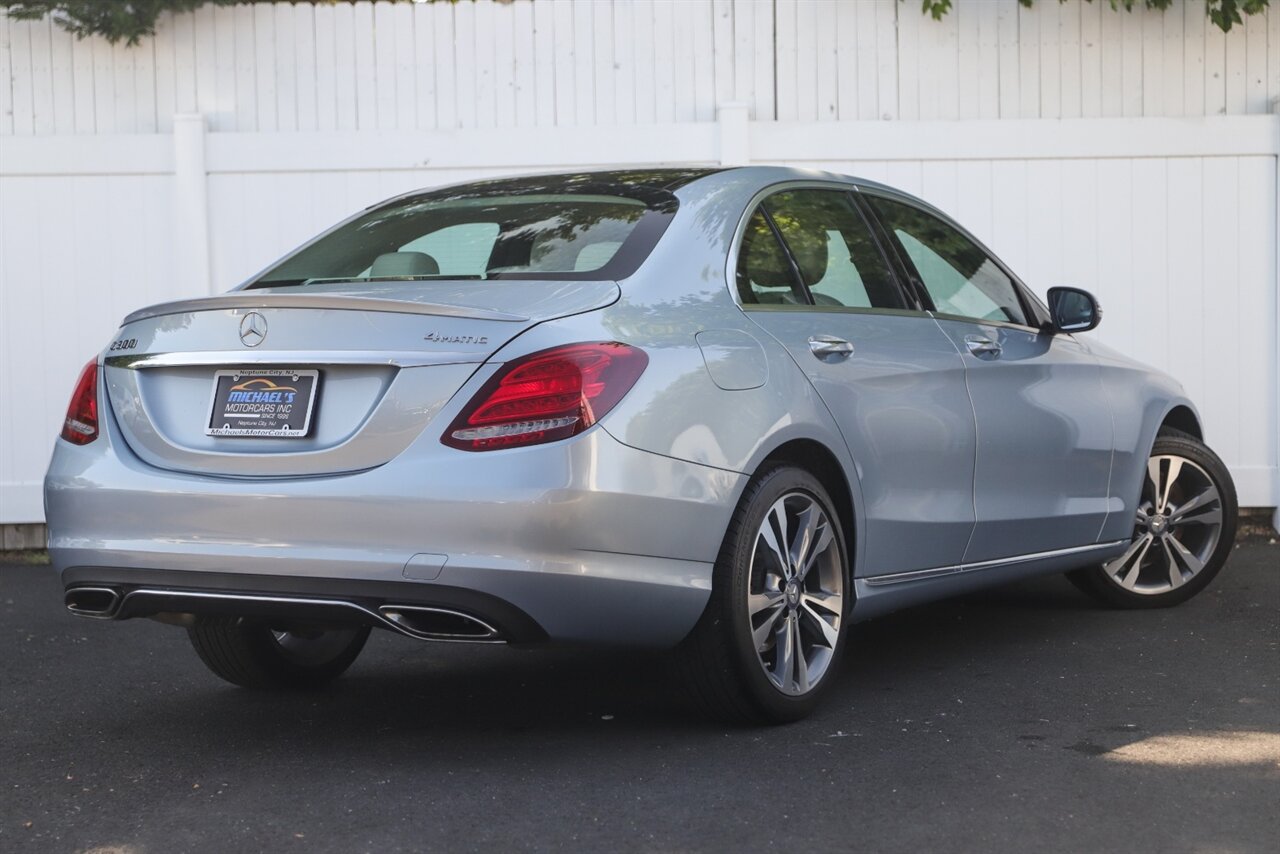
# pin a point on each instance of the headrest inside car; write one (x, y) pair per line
(391, 264)
(764, 263)
(808, 242)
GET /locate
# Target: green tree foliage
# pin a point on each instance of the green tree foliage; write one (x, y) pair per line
(130, 20)
(115, 20)
(112, 19)
(1223, 13)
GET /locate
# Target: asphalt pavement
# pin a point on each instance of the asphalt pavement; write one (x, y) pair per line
(1020, 719)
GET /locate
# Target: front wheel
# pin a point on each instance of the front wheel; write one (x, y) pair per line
(253, 654)
(1183, 530)
(771, 638)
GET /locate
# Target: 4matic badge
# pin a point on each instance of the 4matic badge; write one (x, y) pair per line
(437, 338)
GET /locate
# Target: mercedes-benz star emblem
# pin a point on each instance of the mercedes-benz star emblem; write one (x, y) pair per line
(253, 329)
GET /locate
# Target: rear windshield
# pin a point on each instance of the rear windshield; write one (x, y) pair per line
(591, 233)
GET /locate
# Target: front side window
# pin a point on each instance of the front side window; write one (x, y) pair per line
(479, 235)
(960, 278)
(827, 256)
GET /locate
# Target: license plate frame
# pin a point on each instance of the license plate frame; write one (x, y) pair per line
(262, 396)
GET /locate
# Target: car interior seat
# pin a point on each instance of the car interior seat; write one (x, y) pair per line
(390, 265)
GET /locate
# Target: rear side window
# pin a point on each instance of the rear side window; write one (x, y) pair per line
(960, 278)
(827, 256)
(765, 275)
(580, 235)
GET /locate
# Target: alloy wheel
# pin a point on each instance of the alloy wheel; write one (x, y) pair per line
(795, 599)
(1177, 527)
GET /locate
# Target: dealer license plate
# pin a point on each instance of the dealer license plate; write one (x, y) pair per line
(267, 403)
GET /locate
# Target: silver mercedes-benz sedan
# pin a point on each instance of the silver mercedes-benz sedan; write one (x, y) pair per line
(727, 411)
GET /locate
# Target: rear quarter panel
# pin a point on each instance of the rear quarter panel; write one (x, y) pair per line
(676, 408)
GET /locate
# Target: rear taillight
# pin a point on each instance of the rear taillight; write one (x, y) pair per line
(81, 425)
(549, 395)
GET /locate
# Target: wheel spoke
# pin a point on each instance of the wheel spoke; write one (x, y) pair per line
(1133, 556)
(786, 653)
(830, 633)
(821, 542)
(1204, 509)
(766, 601)
(828, 602)
(774, 537)
(802, 666)
(760, 634)
(1163, 472)
(1153, 482)
(1180, 558)
(1210, 516)
(1131, 577)
(806, 532)
(1171, 564)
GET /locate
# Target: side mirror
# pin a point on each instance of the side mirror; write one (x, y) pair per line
(1073, 310)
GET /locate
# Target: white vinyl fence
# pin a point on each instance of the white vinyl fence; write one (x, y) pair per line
(281, 67)
(1134, 155)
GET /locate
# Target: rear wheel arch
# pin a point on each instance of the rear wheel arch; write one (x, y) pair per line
(768, 627)
(818, 460)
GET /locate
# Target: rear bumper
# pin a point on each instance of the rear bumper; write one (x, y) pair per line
(148, 592)
(585, 540)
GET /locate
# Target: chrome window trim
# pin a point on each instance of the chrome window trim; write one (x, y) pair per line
(978, 321)
(956, 569)
(842, 309)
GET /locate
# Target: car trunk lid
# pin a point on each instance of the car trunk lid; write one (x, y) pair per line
(374, 364)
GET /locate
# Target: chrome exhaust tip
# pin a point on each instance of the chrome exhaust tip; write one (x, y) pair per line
(439, 624)
(99, 603)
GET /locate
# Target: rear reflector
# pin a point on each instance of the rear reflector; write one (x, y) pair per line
(81, 424)
(549, 395)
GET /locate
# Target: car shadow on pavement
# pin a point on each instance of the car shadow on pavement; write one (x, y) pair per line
(978, 723)
(449, 692)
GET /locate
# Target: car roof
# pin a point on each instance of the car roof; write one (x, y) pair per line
(639, 179)
(662, 179)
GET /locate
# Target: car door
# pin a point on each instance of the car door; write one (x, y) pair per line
(1044, 426)
(811, 273)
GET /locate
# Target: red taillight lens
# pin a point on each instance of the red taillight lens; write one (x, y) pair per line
(549, 395)
(81, 425)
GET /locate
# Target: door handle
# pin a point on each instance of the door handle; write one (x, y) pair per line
(981, 345)
(829, 347)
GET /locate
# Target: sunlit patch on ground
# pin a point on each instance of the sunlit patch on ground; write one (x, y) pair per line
(1203, 749)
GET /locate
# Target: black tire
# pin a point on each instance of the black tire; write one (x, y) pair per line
(250, 654)
(1102, 586)
(719, 658)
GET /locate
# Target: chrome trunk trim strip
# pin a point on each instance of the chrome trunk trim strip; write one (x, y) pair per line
(242, 299)
(407, 359)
